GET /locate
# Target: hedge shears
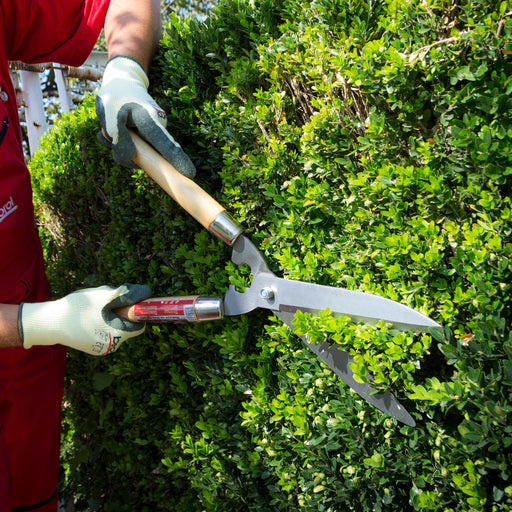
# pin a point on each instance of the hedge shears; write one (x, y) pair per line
(284, 297)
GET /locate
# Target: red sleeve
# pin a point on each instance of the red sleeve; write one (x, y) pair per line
(63, 31)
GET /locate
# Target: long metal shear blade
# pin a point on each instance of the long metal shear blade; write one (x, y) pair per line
(338, 361)
(285, 297)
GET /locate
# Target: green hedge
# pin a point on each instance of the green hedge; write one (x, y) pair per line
(365, 145)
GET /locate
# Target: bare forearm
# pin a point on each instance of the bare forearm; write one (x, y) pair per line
(133, 28)
(9, 336)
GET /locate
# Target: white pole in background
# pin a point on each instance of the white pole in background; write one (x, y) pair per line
(63, 91)
(34, 108)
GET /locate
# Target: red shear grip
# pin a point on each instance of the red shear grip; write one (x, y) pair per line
(173, 309)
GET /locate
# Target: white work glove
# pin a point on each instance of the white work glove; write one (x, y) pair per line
(123, 102)
(83, 320)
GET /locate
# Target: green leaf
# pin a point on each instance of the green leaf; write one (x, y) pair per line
(376, 460)
(102, 381)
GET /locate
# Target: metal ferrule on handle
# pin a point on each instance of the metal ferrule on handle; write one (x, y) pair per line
(225, 227)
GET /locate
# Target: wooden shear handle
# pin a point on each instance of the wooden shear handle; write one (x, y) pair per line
(186, 193)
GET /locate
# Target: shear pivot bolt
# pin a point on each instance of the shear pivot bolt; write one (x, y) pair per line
(267, 293)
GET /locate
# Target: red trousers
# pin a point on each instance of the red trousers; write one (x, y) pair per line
(30, 405)
(31, 384)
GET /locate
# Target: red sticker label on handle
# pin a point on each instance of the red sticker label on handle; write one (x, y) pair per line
(174, 309)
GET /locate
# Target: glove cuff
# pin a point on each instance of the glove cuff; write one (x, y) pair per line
(37, 324)
(20, 324)
(126, 68)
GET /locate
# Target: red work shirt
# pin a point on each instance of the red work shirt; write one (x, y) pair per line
(32, 31)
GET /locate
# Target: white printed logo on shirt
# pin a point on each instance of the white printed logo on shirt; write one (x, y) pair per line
(7, 209)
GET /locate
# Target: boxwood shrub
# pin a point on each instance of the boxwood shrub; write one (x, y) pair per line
(364, 145)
